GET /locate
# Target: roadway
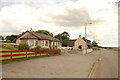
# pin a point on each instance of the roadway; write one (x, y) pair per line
(65, 66)
(107, 67)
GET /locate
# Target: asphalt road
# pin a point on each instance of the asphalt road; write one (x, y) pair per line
(108, 65)
(64, 66)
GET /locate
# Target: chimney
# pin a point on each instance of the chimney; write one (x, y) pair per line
(79, 36)
(31, 30)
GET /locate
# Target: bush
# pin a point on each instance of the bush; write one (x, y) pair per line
(7, 46)
(44, 48)
(53, 47)
(36, 48)
(23, 46)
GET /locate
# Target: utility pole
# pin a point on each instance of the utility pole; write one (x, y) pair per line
(86, 36)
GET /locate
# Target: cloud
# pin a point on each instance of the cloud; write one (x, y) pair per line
(94, 36)
(57, 16)
(72, 17)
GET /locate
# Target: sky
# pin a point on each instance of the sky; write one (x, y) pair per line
(56, 16)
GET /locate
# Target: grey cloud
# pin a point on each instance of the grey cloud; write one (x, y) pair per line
(71, 17)
(2, 4)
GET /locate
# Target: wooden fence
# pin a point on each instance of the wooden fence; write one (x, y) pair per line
(23, 54)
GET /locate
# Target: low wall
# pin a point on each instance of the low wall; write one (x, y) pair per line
(75, 51)
(66, 48)
(88, 51)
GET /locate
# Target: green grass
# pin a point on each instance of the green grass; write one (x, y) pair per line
(26, 59)
(4, 49)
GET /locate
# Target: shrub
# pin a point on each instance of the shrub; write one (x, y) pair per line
(44, 48)
(7, 46)
(53, 47)
(36, 48)
(23, 46)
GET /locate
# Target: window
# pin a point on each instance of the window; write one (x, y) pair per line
(31, 42)
(42, 43)
(56, 43)
(46, 43)
(59, 43)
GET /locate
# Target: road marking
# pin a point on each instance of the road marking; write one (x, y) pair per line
(94, 67)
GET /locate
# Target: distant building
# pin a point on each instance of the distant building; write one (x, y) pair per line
(79, 43)
(70, 43)
(5, 43)
(37, 39)
(2, 41)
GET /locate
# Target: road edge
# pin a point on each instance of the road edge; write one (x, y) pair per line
(93, 69)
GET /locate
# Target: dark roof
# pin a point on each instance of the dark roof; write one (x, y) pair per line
(39, 36)
(70, 43)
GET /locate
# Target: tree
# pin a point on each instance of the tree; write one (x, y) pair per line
(44, 32)
(95, 44)
(11, 38)
(1, 37)
(63, 37)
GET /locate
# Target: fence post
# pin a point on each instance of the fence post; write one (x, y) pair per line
(40, 53)
(59, 51)
(11, 55)
(35, 53)
(26, 54)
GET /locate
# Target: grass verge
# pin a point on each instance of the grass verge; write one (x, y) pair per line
(26, 59)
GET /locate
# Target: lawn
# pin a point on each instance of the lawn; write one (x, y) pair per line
(4, 49)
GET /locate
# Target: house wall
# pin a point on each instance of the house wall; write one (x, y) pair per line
(44, 43)
(79, 42)
(18, 41)
(32, 42)
(57, 44)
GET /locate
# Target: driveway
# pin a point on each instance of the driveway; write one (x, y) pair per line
(63, 66)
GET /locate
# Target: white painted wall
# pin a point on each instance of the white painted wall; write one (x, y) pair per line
(65, 47)
(78, 42)
(88, 51)
(18, 41)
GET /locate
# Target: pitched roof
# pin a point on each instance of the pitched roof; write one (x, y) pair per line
(29, 36)
(40, 36)
(70, 43)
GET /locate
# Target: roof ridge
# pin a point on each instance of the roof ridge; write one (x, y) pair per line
(33, 34)
(44, 35)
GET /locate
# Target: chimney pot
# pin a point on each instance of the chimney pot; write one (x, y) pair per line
(80, 36)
